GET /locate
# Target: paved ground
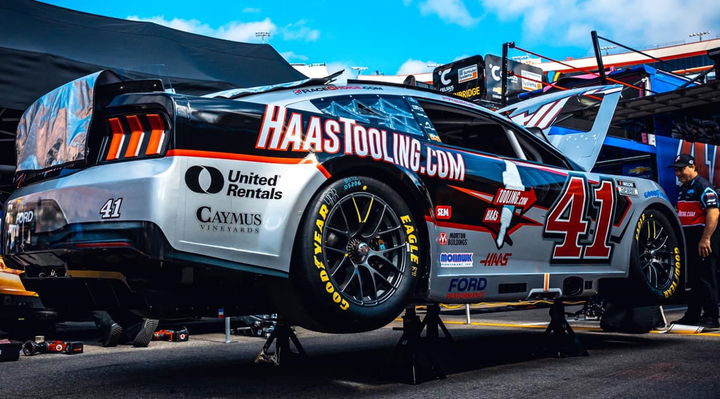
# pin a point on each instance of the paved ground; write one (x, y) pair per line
(499, 355)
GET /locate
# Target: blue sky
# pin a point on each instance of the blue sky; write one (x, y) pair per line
(405, 36)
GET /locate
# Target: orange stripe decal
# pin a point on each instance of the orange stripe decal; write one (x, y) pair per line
(157, 134)
(324, 171)
(117, 139)
(136, 136)
(238, 157)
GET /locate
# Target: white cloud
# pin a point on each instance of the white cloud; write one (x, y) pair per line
(292, 56)
(635, 23)
(300, 31)
(411, 66)
(451, 11)
(245, 32)
(237, 30)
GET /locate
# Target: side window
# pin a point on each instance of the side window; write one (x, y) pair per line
(468, 129)
(393, 113)
(537, 151)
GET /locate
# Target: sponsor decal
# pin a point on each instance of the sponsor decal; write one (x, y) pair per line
(523, 199)
(457, 239)
(282, 130)
(492, 215)
(467, 73)
(111, 209)
(475, 91)
(333, 88)
(210, 180)
(443, 212)
(532, 82)
(263, 187)
(228, 221)
(330, 288)
(24, 217)
(654, 193)
(628, 191)
(627, 188)
(467, 288)
(213, 186)
(496, 259)
(464, 259)
(443, 238)
(690, 213)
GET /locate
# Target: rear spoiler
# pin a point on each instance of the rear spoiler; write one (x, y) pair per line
(563, 117)
(53, 132)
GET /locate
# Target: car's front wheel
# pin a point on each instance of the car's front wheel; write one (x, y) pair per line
(358, 257)
(656, 261)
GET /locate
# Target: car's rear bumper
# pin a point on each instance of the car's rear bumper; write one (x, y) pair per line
(131, 265)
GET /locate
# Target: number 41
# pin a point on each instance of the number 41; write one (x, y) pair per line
(111, 209)
(573, 204)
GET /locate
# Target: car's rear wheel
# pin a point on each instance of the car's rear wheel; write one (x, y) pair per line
(357, 259)
(656, 261)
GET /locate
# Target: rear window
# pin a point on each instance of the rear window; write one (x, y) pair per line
(393, 113)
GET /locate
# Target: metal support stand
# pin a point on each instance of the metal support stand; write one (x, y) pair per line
(561, 339)
(415, 352)
(227, 330)
(281, 335)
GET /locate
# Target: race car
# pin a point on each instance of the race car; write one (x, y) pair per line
(22, 313)
(335, 206)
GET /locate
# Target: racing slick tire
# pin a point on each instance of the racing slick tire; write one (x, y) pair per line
(357, 258)
(656, 261)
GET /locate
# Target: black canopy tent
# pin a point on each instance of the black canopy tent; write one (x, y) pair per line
(44, 46)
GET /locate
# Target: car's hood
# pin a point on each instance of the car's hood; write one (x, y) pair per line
(574, 121)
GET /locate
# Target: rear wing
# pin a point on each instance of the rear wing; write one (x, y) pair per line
(574, 121)
(53, 131)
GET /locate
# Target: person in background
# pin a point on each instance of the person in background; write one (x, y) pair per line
(124, 327)
(697, 208)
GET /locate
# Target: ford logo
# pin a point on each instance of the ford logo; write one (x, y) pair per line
(24, 217)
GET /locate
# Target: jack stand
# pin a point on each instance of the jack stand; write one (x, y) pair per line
(417, 361)
(281, 335)
(561, 339)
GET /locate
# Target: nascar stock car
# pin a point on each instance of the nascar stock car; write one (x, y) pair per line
(334, 205)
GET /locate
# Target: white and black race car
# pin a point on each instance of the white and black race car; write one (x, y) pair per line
(335, 205)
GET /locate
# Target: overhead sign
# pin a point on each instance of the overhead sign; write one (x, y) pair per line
(464, 78)
(524, 78)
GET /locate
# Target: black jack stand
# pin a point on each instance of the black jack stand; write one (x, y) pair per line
(561, 340)
(414, 353)
(281, 335)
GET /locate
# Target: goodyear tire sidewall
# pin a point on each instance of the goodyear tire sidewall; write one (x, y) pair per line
(648, 293)
(331, 309)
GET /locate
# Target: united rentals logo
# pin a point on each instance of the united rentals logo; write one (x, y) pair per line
(210, 180)
(192, 179)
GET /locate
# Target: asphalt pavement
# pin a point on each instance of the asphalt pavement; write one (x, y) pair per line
(499, 355)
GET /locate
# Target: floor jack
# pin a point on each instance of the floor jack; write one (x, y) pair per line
(561, 340)
(413, 352)
(281, 336)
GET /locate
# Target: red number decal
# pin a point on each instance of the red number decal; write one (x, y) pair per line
(600, 248)
(574, 225)
(568, 220)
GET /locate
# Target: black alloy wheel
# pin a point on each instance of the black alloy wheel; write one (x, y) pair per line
(363, 245)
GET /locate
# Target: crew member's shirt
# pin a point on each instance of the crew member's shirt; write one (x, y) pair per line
(694, 197)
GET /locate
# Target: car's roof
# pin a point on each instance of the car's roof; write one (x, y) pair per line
(287, 93)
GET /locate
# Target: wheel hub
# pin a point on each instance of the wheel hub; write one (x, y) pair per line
(358, 250)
